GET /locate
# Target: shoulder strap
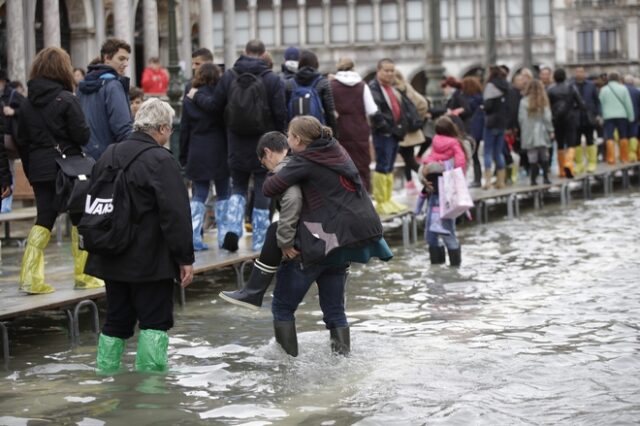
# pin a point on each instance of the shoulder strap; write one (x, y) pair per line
(135, 155)
(618, 97)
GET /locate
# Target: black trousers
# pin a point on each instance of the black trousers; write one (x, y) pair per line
(45, 193)
(149, 303)
(408, 155)
(587, 131)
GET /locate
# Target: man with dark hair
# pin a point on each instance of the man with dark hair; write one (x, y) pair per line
(248, 80)
(199, 57)
(104, 96)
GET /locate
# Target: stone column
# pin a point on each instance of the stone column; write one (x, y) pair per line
(122, 20)
(51, 17)
(185, 45)
(252, 6)
(302, 22)
(434, 69)
(376, 21)
(151, 36)
(632, 37)
(98, 17)
(326, 25)
(205, 24)
(229, 33)
(402, 17)
(15, 41)
(277, 22)
(527, 58)
(490, 55)
(351, 4)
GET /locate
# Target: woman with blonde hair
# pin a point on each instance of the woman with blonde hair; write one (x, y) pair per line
(51, 120)
(536, 129)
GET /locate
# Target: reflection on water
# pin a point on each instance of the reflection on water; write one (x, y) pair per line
(539, 326)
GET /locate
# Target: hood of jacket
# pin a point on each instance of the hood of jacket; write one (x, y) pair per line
(330, 154)
(348, 78)
(97, 76)
(249, 64)
(43, 91)
(306, 75)
(442, 144)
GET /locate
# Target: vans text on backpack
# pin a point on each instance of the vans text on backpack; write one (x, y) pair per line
(247, 112)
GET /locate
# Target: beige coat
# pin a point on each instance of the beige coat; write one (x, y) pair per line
(416, 137)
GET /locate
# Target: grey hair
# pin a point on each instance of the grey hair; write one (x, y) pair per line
(152, 115)
(628, 79)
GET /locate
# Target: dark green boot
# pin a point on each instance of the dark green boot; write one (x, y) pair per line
(252, 293)
(455, 257)
(340, 340)
(152, 351)
(110, 351)
(285, 332)
(437, 255)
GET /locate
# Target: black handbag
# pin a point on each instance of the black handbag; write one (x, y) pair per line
(72, 180)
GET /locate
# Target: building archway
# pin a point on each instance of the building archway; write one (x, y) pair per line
(419, 82)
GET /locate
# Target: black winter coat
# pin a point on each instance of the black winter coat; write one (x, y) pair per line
(203, 142)
(304, 77)
(457, 100)
(163, 239)
(50, 116)
(242, 149)
(336, 210)
(382, 122)
(589, 94)
(565, 92)
(496, 107)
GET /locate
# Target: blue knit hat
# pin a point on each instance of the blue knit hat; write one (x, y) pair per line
(291, 54)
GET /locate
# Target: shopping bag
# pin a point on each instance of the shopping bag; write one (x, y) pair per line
(455, 198)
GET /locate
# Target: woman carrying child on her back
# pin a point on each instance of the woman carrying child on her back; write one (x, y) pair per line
(447, 145)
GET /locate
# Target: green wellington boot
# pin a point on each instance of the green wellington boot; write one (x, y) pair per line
(340, 340)
(32, 269)
(592, 158)
(633, 150)
(110, 351)
(579, 167)
(152, 351)
(285, 333)
(82, 280)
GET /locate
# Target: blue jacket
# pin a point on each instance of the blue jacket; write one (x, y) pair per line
(242, 149)
(589, 93)
(635, 100)
(104, 97)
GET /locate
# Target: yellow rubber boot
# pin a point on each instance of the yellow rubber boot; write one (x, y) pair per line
(82, 280)
(32, 269)
(395, 206)
(592, 158)
(569, 168)
(561, 163)
(380, 193)
(611, 151)
(633, 150)
(624, 150)
(579, 169)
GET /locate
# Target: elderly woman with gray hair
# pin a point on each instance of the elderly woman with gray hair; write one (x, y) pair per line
(139, 281)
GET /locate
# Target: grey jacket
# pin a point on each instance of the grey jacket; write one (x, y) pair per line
(290, 206)
(535, 131)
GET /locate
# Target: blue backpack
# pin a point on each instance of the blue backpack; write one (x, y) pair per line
(305, 100)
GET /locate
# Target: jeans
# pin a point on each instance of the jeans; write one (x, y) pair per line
(200, 189)
(386, 150)
(450, 241)
(293, 282)
(622, 124)
(493, 148)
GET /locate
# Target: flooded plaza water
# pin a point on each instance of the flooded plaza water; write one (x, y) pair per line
(540, 326)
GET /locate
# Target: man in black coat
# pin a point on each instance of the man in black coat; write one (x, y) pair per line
(243, 161)
(587, 122)
(139, 281)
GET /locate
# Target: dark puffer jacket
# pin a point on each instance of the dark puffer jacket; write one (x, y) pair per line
(336, 211)
(50, 116)
(304, 77)
(496, 107)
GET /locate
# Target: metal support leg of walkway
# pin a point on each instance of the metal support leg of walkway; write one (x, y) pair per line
(5, 344)
(626, 181)
(405, 231)
(414, 228)
(240, 270)
(513, 206)
(565, 194)
(586, 188)
(76, 320)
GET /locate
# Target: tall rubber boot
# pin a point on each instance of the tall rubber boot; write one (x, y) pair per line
(455, 257)
(110, 351)
(501, 176)
(259, 222)
(633, 150)
(32, 269)
(253, 291)
(285, 332)
(611, 151)
(545, 172)
(624, 150)
(152, 351)
(380, 193)
(395, 206)
(579, 169)
(488, 175)
(198, 211)
(561, 161)
(534, 171)
(592, 158)
(477, 176)
(221, 216)
(437, 255)
(82, 280)
(340, 340)
(234, 221)
(569, 168)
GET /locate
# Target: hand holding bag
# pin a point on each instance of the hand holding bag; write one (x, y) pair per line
(455, 198)
(72, 181)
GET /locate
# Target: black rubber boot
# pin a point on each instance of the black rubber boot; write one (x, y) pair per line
(534, 171)
(253, 292)
(477, 176)
(455, 257)
(437, 255)
(340, 340)
(545, 173)
(230, 241)
(285, 332)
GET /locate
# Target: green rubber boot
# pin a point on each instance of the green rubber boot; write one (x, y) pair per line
(633, 150)
(579, 169)
(32, 269)
(110, 351)
(152, 351)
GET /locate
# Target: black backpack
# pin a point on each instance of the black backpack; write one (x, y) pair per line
(107, 227)
(410, 114)
(247, 112)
